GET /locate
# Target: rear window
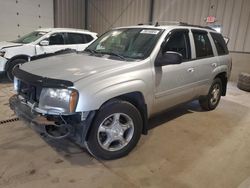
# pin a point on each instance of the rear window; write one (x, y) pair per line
(75, 38)
(78, 38)
(219, 43)
(89, 38)
(202, 45)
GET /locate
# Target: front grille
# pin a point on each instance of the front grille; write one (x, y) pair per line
(29, 92)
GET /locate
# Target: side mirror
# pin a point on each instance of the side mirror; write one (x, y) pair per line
(168, 58)
(44, 43)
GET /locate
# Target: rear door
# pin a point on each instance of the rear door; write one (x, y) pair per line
(222, 51)
(204, 61)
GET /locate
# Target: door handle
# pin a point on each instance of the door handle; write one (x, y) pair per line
(190, 70)
(214, 64)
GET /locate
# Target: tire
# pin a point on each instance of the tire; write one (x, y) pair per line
(12, 65)
(244, 82)
(211, 101)
(104, 130)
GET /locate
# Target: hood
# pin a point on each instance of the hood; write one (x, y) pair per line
(72, 67)
(6, 44)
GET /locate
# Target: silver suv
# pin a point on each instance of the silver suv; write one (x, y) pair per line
(102, 98)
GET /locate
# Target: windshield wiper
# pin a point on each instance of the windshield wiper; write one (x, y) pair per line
(108, 53)
(114, 54)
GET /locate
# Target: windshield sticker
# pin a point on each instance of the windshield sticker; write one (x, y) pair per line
(152, 32)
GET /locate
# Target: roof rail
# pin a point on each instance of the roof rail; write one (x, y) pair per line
(191, 25)
(176, 23)
(171, 22)
(157, 23)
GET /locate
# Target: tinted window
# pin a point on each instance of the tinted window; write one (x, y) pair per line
(88, 38)
(76, 38)
(219, 43)
(202, 45)
(179, 42)
(56, 39)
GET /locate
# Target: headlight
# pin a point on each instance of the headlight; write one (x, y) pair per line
(2, 53)
(58, 100)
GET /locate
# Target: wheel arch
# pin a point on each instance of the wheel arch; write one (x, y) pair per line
(137, 99)
(223, 77)
(22, 56)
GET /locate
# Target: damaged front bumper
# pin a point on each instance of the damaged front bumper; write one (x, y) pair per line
(74, 126)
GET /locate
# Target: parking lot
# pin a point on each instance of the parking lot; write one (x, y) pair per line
(185, 147)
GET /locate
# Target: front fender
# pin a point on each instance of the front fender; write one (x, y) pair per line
(26, 50)
(93, 101)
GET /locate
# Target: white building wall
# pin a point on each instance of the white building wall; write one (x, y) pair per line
(19, 17)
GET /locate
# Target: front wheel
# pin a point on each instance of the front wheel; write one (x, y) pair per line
(115, 131)
(211, 101)
(12, 65)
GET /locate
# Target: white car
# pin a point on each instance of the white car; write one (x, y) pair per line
(42, 41)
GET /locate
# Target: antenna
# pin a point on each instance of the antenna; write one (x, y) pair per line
(157, 24)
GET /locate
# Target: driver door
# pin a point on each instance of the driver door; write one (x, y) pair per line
(175, 82)
(56, 43)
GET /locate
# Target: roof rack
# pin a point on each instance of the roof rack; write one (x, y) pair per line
(169, 23)
(176, 23)
(164, 22)
(191, 25)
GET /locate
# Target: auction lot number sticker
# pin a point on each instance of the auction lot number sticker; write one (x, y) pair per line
(148, 31)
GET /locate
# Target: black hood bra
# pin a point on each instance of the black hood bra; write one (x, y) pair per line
(40, 81)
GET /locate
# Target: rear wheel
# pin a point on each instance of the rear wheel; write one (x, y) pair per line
(115, 131)
(211, 101)
(12, 65)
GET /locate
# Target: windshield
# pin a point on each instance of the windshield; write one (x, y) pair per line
(135, 43)
(31, 37)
